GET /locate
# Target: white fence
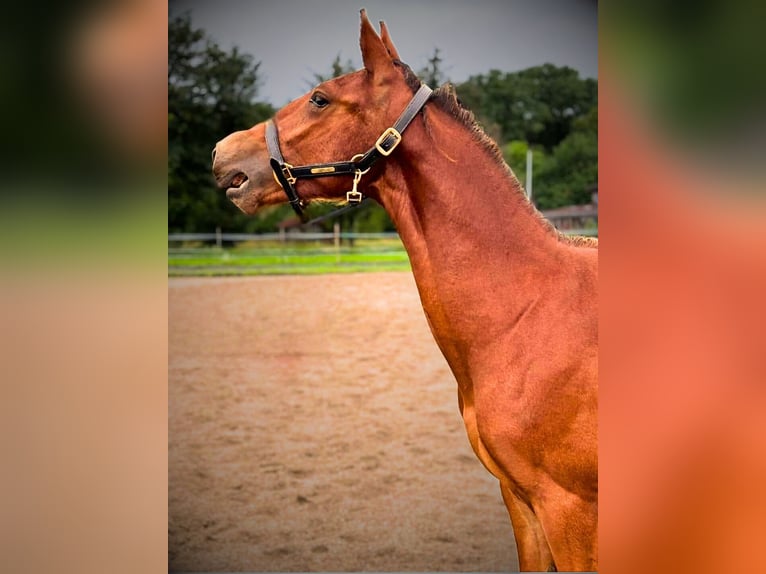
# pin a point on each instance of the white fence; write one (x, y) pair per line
(220, 237)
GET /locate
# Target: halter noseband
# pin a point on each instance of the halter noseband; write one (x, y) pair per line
(287, 175)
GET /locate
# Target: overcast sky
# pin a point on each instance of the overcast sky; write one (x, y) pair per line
(294, 38)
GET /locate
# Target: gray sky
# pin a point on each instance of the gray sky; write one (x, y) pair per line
(293, 38)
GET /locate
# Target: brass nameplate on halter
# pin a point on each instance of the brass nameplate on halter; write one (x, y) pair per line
(323, 169)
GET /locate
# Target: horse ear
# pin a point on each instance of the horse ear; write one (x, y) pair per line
(374, 53)
(384, 35)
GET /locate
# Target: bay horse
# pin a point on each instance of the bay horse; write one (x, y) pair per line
(511, 303)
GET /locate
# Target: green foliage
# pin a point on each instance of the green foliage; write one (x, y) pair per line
(210, 95)
(537, 105)
(552, 109)
(566, 176)
(515, 154)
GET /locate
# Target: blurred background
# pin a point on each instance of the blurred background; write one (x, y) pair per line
(84, 111)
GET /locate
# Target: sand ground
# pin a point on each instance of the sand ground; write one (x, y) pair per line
(314, 426)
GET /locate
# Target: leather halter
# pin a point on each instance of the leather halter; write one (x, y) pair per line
(287, 175)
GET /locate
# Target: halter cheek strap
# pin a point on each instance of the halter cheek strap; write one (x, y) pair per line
(287, 175)
(281, 169)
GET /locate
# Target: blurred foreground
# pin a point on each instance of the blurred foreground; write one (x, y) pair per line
(683, 273)
(83, 344)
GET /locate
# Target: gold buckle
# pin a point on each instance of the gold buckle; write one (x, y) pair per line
(388, 132)
(288, 174)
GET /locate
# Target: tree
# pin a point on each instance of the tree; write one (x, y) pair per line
(432, 75)
(566, 176)
(559, 96)
(536, 105)
(211, 93)
(551, 109)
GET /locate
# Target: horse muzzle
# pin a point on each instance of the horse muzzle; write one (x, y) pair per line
(241, 168)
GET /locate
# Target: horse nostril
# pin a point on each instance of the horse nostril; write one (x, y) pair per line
(213, 155)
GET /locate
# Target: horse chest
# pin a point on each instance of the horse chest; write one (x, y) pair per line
(477, 444)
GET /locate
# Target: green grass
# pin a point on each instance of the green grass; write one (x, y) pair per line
(293, 260)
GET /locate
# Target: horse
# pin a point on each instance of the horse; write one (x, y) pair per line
(511, 303)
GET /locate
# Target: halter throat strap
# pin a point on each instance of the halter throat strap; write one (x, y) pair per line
(287, 175)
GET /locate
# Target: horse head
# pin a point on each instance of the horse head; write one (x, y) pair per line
(335, 122)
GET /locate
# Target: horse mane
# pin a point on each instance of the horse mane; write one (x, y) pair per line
(445, 97)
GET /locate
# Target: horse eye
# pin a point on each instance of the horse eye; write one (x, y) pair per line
(319, 100)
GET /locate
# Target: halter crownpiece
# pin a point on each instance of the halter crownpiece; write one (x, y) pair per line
(287, 175)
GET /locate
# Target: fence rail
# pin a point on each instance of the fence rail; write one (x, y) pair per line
(308, 236)
(219, 238)
(191, 254)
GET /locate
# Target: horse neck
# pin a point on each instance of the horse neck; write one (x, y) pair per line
(475, 243)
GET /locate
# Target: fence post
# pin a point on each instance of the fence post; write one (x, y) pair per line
(528, 182)
(218, 241)
(336, 240)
